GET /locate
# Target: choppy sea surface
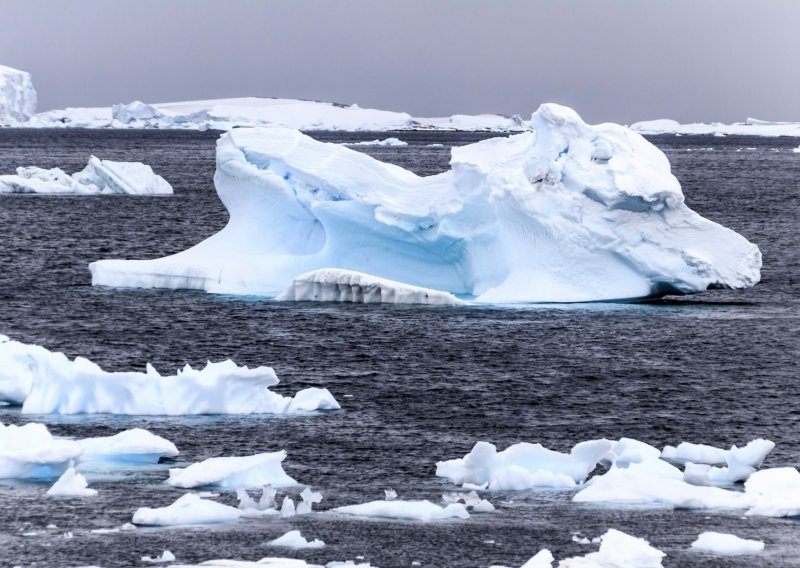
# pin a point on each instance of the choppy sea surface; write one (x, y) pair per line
(417, 384)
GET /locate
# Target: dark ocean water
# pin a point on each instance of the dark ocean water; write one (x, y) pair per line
(417, 384)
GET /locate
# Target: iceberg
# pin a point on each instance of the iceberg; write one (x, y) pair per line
(294, 539)
(17, 96)
(739, 463)
(568, 213)
(618, 550)
(98, 177)
(71, 484)
(524, 466)
(46, 382)
(722, 543)
(31, 452)
(130, 446)
(333, 285)
(234, 472)
(187, 510)
(424, 511)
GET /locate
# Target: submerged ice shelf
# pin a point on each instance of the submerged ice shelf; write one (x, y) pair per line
(568, 213)
(45, 382)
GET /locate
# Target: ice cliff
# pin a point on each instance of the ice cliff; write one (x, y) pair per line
(568, 212)
(17, 96)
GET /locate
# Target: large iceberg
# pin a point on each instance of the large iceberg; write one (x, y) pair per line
(568, 213)
(17, 96)
(46, 382)
(98, 177)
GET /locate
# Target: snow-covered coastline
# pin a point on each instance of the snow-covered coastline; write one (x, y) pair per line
(750, 127)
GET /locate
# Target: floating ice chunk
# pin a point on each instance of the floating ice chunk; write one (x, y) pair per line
(46, 382)
(309, 499)
(739, 463)
(542, 559)
(293, 539)
(524, 465)
(71, 484)
(336, 285)
(130, 446)
(384, 142)
(471, 500)
(165, 557)
(390, 494)
(17, 96)
(618, 550)
(187, 510)
(627, 451)
(483, 506)
(796, 150)
(773, 492)
(31, 452)
(234, 472)
(536, 217)
(406, 510)
(287, 508)
(98, 177)
(722, 543)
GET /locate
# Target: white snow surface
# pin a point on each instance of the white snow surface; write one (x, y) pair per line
(17, 96)
(31, 452)
(524, 465)
(728, 544)
(295, 540)
(98, 177)
(750, 127)
(405, 510)
(336, 285)
(568, 213)
(130, 446)
(71, 484)
(618, 550)
(46, 382)
(189, 509)
(234, 472)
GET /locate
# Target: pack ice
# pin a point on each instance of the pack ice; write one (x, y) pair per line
(566, 213)
(17, 96)
(98, 177)
(45, 382)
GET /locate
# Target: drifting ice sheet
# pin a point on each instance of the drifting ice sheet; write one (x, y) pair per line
(98, 177)
(249, 472)
(721, 543)
(569, 213)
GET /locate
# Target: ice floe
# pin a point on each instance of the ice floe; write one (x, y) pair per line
(130, 446)
(405, 510)
(384, 142)
(71, 484)
(17, 96)
(293, 539)
(722, 543)
(98, 177)
(234, 472)
(336, 285)
(46, 382)
(618, 550)
(739, 463)
(31, 452)
(524, 465)
(187, 510)
(568, 213)
(165, 557)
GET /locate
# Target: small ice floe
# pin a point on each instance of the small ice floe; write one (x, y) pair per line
(127, 527)
(309, 499)
(722, 543)
(31, 452)
(542, 559)
(264, 506)
(390, 494)
(796, 150)
(524, 466)
(46, 382)
(618, 550)
(71, 484)
(165, 557)
(234, 472)
(405, 510)
(581, 539)
(471, 500)
(287, 507)
(272, 562)
(187, 510)
(104, 531)
(701, 461)
(97, 178)
(135, 446)
(68, 535)
(376, 142)
(338, 285)
(435, 145)
(295, 540)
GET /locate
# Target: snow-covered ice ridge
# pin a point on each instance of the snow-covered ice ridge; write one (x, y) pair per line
(750, 127)
(17, 96)
(223, 114)
(45, 382)
(566, 213)
(98, 177)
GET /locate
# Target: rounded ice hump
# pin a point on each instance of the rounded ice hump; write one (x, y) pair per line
(568, 212)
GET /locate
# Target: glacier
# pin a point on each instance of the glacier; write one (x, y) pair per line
(17, 96)
(98, 177)
(46, 382)
(568, 212)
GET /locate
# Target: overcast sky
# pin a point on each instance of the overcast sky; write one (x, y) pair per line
(612, 60)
